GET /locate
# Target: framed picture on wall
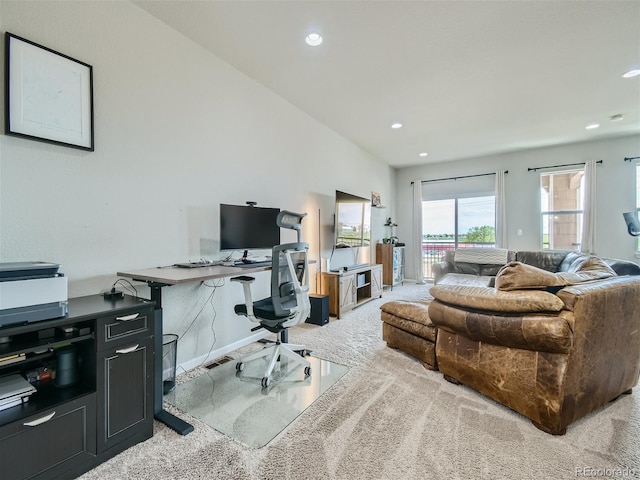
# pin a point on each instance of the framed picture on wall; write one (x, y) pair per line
(49, 95)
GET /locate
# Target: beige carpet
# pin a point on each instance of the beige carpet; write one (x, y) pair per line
(389, 418)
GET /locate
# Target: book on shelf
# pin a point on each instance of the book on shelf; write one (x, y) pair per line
(12, 359)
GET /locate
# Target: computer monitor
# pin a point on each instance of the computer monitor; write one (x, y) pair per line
(248, 227)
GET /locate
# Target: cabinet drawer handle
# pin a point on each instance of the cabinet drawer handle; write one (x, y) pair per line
(126, 318)
(35, 423)
(128, 350)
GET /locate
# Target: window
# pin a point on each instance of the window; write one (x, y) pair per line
(561, 207)
(453, 223)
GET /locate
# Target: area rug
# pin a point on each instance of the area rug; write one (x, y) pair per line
(389, 418)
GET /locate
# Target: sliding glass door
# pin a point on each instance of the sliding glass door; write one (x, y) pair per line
(458, 222)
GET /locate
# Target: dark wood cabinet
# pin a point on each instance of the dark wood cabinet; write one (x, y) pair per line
(61, 432)
(46, 445)
(125, 406)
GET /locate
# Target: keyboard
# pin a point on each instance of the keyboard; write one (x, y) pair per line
(198, 264)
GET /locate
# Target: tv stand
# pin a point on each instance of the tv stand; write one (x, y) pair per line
(348, 289)
(356, 266)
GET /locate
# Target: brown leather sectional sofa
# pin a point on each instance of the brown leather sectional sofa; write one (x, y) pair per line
(557, 339)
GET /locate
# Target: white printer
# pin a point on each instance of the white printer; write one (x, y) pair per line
(31, 291)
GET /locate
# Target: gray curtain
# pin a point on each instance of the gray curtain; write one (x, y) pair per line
(588, 241)
(501, 210)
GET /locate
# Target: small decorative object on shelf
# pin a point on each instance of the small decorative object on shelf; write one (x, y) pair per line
(392, 238)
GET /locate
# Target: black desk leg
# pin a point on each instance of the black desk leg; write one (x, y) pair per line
(160, 413)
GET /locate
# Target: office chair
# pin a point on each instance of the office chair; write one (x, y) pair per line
(288, 304)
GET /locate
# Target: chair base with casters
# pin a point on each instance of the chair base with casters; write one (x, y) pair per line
(274, 351)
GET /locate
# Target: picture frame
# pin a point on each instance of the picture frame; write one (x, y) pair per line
(48, 95)
(375, 199)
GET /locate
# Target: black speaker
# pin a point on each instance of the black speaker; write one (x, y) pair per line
(319, 309)
(67, 370)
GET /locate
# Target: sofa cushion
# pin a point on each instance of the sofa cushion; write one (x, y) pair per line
(464, 279)
(549, 260)
(416, 311)
(519, 276)
(410, 316)
(623, 267)
(590, 268)
(490, 270)
(573, 262)
(467, 268)
(492, 299)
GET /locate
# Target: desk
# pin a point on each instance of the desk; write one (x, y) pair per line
(160, 277)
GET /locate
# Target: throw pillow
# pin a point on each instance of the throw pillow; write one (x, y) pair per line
(520, 276)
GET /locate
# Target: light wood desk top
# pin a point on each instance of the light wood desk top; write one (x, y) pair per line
(176, 275)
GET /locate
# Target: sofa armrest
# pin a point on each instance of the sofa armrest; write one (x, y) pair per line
(439, 270)
(543, 332)
(605, 358)
(492, 300)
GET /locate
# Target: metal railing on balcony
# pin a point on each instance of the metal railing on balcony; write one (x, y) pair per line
(433, 251)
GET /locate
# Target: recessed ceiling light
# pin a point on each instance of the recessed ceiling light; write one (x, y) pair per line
(396, 125)
(592, 126)
(423, 154)
(314, 39)
(631, 73)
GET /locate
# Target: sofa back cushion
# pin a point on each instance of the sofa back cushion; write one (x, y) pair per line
(573, 262)
(623, 267)
(459, 267)
(549, 260)
(478, 261)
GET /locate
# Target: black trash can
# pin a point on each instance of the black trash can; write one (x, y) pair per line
(169, 351)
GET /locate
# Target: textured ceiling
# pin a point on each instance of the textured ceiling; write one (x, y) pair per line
(466, 78)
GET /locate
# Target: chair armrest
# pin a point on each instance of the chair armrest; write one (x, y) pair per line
(243, 279)
(248, 300)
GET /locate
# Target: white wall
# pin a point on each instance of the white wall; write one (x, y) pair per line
(177, 132)
(615, 191)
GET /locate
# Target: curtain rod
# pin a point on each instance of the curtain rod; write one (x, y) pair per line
(533, 169)
(456, 178)
(628, 159)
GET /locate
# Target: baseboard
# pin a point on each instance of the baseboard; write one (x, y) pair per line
(220, 352)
